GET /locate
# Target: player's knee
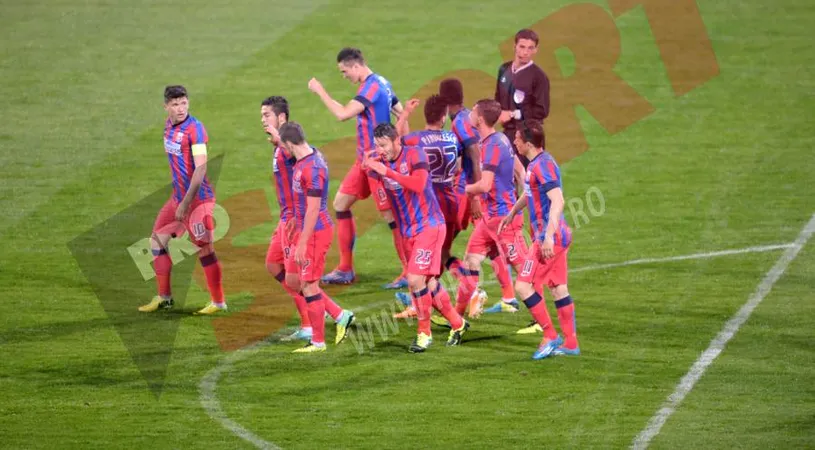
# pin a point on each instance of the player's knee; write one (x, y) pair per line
(273, 268)
(473, 262)
(293, 282)
(311, 288)
(524, 289)
(416, 282)
(559, 291)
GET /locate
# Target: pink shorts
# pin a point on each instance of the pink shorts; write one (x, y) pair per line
(278, 246)
(316, 250)
(536, 270)
(485, 239)
(198, 221)
(360, 185)
(424, 251)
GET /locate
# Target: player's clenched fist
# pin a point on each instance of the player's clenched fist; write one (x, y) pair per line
(314, 85)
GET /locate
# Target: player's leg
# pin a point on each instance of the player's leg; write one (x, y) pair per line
(512, 249)
(556, 280)
(478, 246)
(275, 264)
(353, 187)
(164, 228)
(310, 270)
(463, 219)
(200, 225)
(535, 268)
(422, 303)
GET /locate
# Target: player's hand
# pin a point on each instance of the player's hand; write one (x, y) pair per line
(289, 230)
(376, 166)
(505, 116)
(315, 86)
(274, 136)
(504, 222)
(548, 247)
(300, 253)
(411, 105)
(181, 211)
(475, 209)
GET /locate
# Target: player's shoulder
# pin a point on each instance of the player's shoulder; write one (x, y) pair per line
(412, 139)
(505, 66)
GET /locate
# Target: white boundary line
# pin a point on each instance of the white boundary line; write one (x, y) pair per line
(207, 388)
(717, 345)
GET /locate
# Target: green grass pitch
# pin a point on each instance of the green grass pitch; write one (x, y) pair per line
(726, 166)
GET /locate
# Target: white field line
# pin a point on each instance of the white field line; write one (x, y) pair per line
(209, 383)
(699, 367)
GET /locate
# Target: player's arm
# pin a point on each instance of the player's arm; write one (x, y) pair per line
(518, 173)
(489, 156)
(473, 152)
(396, 107)
(342, 113)
(484, 184)
(555, 195)
(415, 181)
(199, 155)
(402, 125)
(314, 194)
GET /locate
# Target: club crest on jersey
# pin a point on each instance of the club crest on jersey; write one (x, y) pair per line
(298, 175)
(179, 136)
(403, 168)
(519, 96)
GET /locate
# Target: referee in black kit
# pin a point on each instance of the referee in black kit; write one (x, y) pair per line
(522, 87)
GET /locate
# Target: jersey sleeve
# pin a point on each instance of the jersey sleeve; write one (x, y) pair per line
(549, 176)
(411, 139)
(417, 160)
(314, 178)
(490, 157)
(368, 94)
(464, 133)
(198, 139)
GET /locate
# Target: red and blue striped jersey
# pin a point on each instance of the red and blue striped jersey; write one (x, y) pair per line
(467, 135)
(498, 157)
(414, 211)
(311, 180)
(376, 94)
(178, 142)
(442, 150)
(283, 169)
(543, 175)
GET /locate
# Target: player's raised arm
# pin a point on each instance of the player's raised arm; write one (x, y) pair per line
(342, 113)
(402, 125)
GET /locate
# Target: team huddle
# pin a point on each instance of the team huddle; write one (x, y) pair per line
(429, 185)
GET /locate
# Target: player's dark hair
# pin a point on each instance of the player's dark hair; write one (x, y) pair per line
(385, 130)
(292, 133)
(279, 105)
(532, 132)
(350, 55)
(526, 33)
(451, 91)
(173, 92)
(434, 109)
(489, 110)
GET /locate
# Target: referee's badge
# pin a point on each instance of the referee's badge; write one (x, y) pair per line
(519, 96)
